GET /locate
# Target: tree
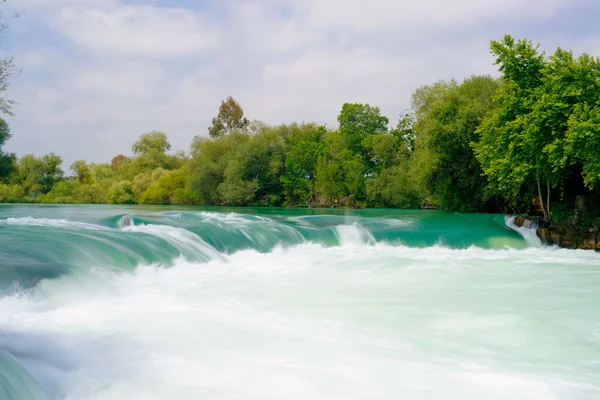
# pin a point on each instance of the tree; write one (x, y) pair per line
(543, 123)
(305, 145)
(7, 72)
(7, 161)
(209, 160)
(230, 117)
(121, 193)
(510, 149)
(82, 171)
(448, 115)
(154, 141)
(359, 121)
(51, 171)
(38, 175)
(340, 173)
(118, 160)
(88, 194)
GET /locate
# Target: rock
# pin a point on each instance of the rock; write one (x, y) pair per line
(543, 234)
(519, 221)
(555, 238)
(589, 243)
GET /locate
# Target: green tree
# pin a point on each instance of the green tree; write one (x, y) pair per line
(7, 72)
(89, 194)
(209, 160)
(82, 171)
(528, 140)
(510, 149)
(7, 161)
(304, 146)
(121, 193)
(38, 175)
(61, 193)
(169, 188)
(448, 115)
(582, 142)
(230, 117)
(358, 122)
(340, 173)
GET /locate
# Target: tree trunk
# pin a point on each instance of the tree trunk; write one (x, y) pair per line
(541, 198)
(548, 199)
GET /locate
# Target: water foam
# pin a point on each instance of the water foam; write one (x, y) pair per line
(53, 223)
(528, 231)
(354, 321)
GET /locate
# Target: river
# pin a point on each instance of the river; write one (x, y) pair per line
(139, 303)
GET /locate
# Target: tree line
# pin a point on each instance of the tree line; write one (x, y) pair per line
(528, 141)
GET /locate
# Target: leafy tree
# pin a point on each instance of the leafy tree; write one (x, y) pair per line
(527, 142)
(448, 115)
(118, 160)
(169, 188)
(61, 193)
(305, 145)
(510, 149)
(11, 193)
(7, 161)
(359, 121)
(7, 72)
(237, 192)
(82, 171)
(582, 142)
(88, 194)
(154, 141)
(230, 117)
(393, 187)
(121, 193)
(209, 160)
(340, 173)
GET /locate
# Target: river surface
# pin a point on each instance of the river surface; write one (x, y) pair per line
(140, 303)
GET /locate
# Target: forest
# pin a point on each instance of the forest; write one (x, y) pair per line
(527, 141)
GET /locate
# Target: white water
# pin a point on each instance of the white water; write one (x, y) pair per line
(529, 233)
(351, 322)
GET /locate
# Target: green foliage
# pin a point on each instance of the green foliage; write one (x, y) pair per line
(168, 188)
(544, 122)
(305, 145)
(237, 192)
(88, 194)
(340, 173)
(11, 193)
(82, 171)
(121, 193)
(393, 188)
(448, 115)
(357, 123)
(7, 161)
(210, 158)
(62, 193)
(231, 117)
(481, 144)
(37, 175)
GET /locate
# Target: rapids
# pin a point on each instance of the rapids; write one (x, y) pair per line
(105, 302)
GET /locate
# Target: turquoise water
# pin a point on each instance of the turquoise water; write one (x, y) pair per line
(104, 302)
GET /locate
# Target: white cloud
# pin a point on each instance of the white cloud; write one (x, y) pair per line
(144, 30)
(384, 14)
(122, 69)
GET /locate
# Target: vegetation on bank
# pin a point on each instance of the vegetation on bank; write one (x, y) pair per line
(526, 142)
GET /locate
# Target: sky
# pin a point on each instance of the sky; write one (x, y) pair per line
(95, 74)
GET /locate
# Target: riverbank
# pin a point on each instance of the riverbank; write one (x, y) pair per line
(562, 235)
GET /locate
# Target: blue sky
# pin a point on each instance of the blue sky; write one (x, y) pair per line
(98, 73)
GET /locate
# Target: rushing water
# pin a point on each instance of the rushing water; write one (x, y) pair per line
(163, 303)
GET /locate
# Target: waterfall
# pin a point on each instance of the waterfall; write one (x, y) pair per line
(528, 230)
